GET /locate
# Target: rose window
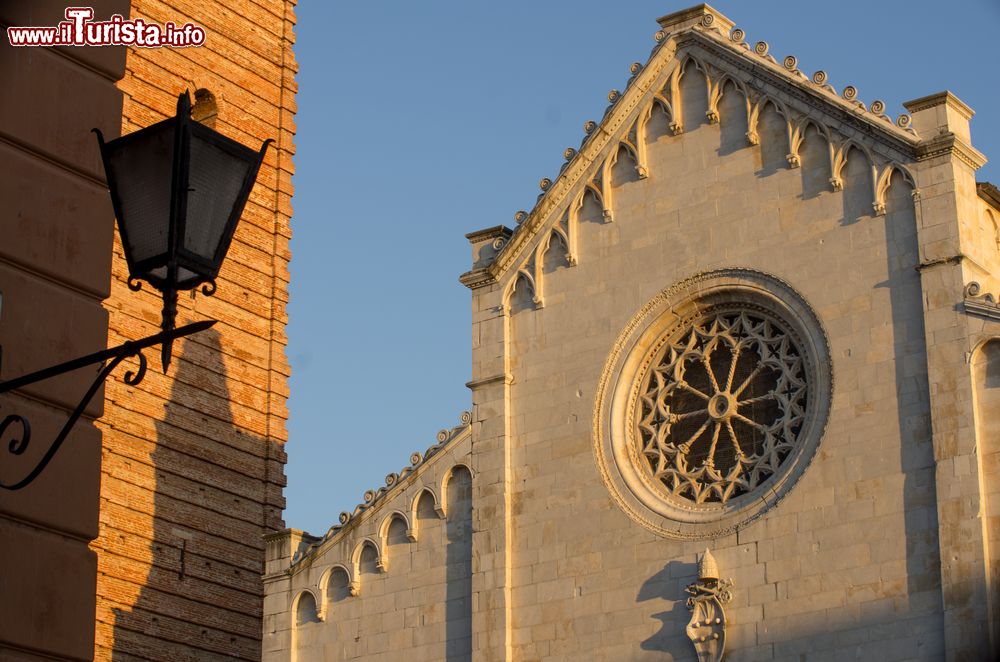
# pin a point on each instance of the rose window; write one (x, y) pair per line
(722, 406)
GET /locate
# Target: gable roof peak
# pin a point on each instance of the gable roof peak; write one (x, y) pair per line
(703, 15)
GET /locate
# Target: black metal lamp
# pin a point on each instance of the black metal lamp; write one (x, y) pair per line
(178, 190)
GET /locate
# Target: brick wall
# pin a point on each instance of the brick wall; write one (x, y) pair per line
(193, 461)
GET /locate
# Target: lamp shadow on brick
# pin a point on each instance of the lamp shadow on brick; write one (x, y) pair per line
(668, 584)
(211, 502)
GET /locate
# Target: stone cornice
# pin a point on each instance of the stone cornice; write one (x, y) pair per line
(495, 232)
(938, 99)
(949, 143)
(989, 193)
(982, 304)
(395, 483)
(477, 278)
(810, 97)
(597, 140)
(818, 96)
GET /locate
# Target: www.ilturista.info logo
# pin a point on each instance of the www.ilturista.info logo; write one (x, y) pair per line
(79, 30)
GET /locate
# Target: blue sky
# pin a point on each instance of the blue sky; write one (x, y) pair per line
(421, 122)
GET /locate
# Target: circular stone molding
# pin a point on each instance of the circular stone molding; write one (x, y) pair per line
(712, 403)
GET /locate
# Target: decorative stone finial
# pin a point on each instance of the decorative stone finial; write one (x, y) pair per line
(708, 568)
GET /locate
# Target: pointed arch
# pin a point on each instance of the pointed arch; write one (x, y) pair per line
(753, 117)
(615, 177)
(716, 90)
(658, 101)
(524, 276)
(838, 159)
(882, 180)
(797, 135)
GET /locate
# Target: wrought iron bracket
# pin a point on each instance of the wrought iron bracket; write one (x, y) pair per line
(109, 360)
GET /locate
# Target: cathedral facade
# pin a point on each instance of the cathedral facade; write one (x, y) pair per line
(731, 387)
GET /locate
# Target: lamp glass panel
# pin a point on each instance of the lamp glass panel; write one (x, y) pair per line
(214, 183)
(141, 171)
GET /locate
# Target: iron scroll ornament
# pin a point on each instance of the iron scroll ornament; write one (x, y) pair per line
(109, 360)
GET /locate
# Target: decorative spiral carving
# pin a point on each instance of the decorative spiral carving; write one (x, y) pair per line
(134, 284)
(442, 435)
(878, 107)
(791, 63)
(635, 68)
(589, 126)
(904, 121)
(737, 35)
(973, 289)
(17, 445)
(520, 216)
(613, 96)
(390, 479)
(819, 77)
(133, 378)
(415, 459)
(850, 93)
(761, 48)
(707, 20)
(660, 36)
(569, 153)
(208, 289)
(499, 243)
(466, 417)
(544, 183)
(345, 517)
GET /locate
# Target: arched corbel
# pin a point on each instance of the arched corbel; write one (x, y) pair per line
(298, 598)
(525, 273)
(883, 180)
(359, 549)
(324, 585)
(753, 117)
(606, 188)
(383, 531)
(838, 159)
(796, 134)
(446, 479)
(639, 149)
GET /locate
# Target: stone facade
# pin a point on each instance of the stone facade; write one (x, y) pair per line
(192, 471)
(725, 199)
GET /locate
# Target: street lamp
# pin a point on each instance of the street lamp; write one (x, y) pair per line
(178, 189)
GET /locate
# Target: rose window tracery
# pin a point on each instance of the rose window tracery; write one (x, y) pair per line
(722, 406)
